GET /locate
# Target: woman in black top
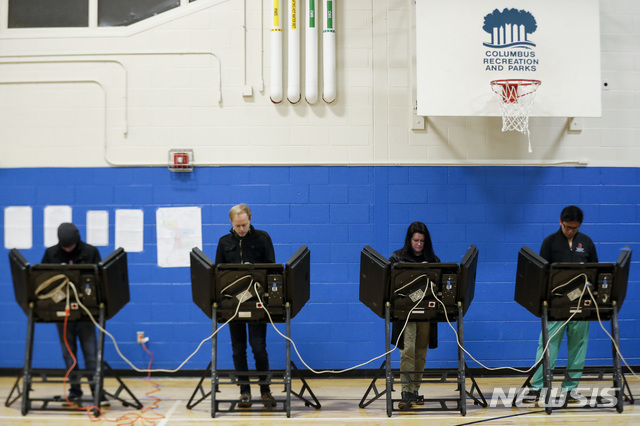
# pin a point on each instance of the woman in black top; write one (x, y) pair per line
(417, 336)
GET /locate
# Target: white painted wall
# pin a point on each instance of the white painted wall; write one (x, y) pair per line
(125, 96)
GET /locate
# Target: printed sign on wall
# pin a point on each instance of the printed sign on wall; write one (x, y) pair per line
(463, 45)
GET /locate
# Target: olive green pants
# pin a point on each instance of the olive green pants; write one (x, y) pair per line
(414, 355)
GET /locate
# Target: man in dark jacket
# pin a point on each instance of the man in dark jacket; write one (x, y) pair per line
(417, 336)
(71, 250)
(245, 244)
(566, 245)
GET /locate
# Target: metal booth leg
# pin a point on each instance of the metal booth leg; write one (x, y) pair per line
(617, 371)
(98, 377)
(214, 360)
(461, 365)
(28, 358)
(387, 347)
(287, 376)
(546, 369)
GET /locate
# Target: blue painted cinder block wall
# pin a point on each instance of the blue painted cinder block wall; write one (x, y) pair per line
(335, 211)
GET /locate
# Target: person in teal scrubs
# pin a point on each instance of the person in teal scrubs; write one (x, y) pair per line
(566, 245)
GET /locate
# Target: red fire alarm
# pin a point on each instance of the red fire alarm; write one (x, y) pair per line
(181, 160)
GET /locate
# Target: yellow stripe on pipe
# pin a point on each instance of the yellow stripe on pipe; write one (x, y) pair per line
(276, 13)
(294, 14)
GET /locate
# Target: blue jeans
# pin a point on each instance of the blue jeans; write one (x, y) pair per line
(258, 342)
(86, 333)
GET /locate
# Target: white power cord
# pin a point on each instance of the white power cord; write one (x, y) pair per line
(153, 370)
(504, 368)
(615, 345)
(355, 366)
(430, 285)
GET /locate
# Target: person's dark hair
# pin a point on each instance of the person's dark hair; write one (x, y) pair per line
(420, 228)
(571, 214)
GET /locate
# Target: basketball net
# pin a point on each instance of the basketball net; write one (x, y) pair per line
(516, 97)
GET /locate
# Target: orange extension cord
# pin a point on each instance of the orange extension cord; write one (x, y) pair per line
(125, 419)
(66, 377)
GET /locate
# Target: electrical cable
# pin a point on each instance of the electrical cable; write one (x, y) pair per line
(586, 288)
(154, 370)
(506, 368)
(398, 290)
(430, 285)
(130, 418)
(615, 345)
(586, 281)
(133, 417)
(89, 409)
(54, 292)
(356, 366)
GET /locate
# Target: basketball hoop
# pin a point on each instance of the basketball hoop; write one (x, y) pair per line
(516, 97)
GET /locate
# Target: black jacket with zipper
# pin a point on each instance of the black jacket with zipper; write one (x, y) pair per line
(405, 255)
(255, 247)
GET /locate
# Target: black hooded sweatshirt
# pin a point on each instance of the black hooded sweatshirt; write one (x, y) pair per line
(83, 253)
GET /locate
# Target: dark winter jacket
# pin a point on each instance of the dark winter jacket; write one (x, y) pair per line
(83, 253)
(405, 255)
(255, 247)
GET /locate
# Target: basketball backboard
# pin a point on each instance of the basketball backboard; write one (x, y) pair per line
(463, 45)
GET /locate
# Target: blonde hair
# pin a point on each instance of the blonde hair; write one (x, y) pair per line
(239, 209)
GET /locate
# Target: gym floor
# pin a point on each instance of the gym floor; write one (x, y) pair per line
(165, 401)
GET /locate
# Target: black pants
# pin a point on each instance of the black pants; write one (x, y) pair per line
(258, 342)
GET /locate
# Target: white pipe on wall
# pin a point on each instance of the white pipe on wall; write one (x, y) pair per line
(244, 45)
(311, 54)
(261, 87)
(329, 53)
(276, 55)
(293, 54)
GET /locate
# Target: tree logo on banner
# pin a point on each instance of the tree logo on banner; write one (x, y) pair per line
(510, 28)
(510, 48)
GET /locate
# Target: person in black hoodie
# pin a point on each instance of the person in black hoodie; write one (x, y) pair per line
(245, 244)
(417, 336)
(71, 250)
